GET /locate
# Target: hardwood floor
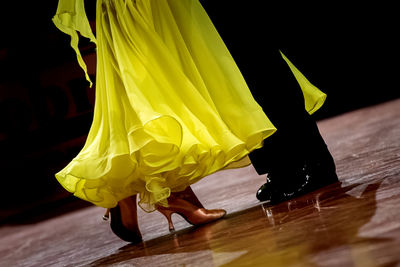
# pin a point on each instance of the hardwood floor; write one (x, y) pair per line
(355, 223)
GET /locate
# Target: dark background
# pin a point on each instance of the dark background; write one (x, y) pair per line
(350, 51)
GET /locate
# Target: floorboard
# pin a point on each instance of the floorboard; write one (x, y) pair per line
(355, 223)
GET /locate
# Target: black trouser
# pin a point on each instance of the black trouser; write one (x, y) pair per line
(252, 37)
(297, 136)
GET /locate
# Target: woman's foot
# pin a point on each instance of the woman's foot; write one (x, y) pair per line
(187, 205)
(189, 196)
(124, 221)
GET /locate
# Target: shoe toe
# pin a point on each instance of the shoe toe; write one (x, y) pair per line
(264, 193)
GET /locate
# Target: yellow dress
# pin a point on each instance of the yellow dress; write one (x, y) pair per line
(171, 105)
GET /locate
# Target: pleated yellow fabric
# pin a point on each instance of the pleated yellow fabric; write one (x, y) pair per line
(171, 105)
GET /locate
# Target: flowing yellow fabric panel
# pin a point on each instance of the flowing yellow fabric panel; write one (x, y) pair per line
(171, 105)
(71, 18)
(313, 97)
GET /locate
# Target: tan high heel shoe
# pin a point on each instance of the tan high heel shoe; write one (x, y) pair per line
(189, 196)
(191, 213)
(124, 221)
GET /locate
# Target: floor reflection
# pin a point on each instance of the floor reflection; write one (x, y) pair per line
(320, 223)
(303, 232)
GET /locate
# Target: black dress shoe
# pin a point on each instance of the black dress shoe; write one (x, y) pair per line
(273, 195)
(294, 182)
(318, 174)
(283, 183)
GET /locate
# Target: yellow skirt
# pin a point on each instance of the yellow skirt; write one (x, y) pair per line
(171, 105)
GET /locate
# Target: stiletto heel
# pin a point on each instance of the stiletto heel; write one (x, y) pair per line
(168, 214)
(124, 222)
(106, 215)
(190, 212)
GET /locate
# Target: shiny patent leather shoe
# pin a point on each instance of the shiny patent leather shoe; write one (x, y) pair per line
(312, 176)
(276, 190)
(124, 221)
(266, 191)
(193, 214)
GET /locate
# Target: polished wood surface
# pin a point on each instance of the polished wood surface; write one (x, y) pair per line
(354, 223)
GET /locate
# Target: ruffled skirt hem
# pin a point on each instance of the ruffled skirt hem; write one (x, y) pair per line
(155, 168)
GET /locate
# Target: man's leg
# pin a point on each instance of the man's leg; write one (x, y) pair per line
(293, 154)
(296, 157)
